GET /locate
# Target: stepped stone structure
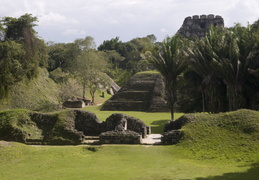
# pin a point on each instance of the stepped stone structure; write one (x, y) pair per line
(143, 92)
(197, 26)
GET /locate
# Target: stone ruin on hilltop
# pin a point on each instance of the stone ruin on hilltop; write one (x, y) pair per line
(197, 26)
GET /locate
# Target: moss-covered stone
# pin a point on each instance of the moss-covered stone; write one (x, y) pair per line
(65, 127)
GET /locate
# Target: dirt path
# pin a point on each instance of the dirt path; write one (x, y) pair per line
(152, 139)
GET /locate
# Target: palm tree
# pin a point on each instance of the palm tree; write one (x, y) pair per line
(210, 85)
(168, 60)
(232, 53)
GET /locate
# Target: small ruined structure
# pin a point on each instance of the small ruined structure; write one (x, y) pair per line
(124, 129)
(143, 92)
(74, 104)
(197, 26)
(71, 127)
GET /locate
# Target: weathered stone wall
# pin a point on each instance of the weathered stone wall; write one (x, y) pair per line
(171, 137)
(178, 123)
(88, 123)
(120, 137)
(121, 122)
(197, 26)
(172, 130)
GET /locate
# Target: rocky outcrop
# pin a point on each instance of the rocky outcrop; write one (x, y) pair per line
(197, 26)
(143, 92)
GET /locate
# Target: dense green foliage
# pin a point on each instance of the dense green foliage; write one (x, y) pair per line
(222, 71)
(127, 57)
(21, 52)
(224, 67)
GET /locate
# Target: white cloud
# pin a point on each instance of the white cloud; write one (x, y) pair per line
(243, 12)
(163, 30)
(106, 19)
(75, 32)
(56, 19)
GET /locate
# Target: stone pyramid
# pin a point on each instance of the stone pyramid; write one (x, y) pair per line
(143, 92)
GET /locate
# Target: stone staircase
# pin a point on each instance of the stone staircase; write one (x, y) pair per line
(91, 140)
(143, 92)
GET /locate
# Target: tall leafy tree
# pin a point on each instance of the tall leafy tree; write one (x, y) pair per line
(22, 52)
(21, 30)
(89, 70)
(168, 59)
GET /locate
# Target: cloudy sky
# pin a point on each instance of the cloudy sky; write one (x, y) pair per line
(66, 20)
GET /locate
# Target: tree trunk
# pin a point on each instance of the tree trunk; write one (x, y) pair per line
(93, 99)
(92, 92)
(171, 99)
(203, 101)
(172, 111)
(84, 87)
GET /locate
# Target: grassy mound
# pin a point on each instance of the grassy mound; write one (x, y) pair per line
(41, 93)
(231, 135)
(37, 128)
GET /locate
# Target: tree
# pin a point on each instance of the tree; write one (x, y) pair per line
(22, 52)
(168, 60)
(201, 63)
(88, 69)
(21, 30)
(110, 44)
(11, 70)
(230, 55)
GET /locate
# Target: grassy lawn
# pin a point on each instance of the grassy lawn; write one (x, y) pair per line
(214, 147)
(18, 161)
(155, 120)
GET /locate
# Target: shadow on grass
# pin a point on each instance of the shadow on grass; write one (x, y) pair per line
(252, 173)
(158, 126)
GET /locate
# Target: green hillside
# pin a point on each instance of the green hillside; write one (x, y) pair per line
(232, 135)
(41, 93)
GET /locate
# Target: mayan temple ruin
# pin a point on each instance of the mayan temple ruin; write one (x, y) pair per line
(197, 26)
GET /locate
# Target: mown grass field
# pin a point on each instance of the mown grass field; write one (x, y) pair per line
(19, 161)
(221, 146)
